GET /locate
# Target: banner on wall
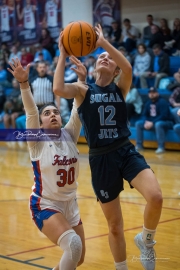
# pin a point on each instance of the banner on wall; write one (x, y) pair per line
(22, 20)
(105, 12)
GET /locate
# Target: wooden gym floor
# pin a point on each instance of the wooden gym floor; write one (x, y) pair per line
(23, 246)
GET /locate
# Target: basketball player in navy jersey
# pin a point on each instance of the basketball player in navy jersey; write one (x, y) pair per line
(55, 163)
(112, 157)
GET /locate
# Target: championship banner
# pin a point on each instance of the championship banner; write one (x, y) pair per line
(105, 12)
(22, 20)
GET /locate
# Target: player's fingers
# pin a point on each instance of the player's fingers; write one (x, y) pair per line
(74, 60)
(14, 62)
(10, 70)
(12, 66)
(18, 61)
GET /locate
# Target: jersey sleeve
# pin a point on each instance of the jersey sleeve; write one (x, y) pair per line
(73, 127)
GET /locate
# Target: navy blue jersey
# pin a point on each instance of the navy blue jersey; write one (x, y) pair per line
(103, 115)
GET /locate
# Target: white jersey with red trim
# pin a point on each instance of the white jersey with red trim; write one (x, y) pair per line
(51, 12)
(56, 170)
(106, 14)
(5, 19)
(29, 20)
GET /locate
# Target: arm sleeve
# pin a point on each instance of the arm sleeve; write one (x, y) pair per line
(32, 121)
(73, 126)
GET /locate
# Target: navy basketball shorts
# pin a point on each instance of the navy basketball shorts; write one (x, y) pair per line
(109, 170)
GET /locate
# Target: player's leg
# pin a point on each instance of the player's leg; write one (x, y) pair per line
(146, 183)
(113, 214)
(80, 231)
(58, 230)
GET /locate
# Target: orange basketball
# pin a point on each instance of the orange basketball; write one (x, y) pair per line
(79, 38)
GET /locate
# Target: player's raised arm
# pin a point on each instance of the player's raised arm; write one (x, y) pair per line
(125, 67)
(59, 87)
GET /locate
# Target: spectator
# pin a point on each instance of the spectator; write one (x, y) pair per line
(125, 53)
(13, 106)
(89, 64)
(46, 41)
(14, 54)
(175, 42)
(3, 74)
(156, 37)
(52, 67)
(39, 58)
(46, 54)
(41, 86)
(147, 29)
(26, 57)
(177, 76)
(129, 36)
(159, 67)
(176, 82)
(156, 116)
(2, 101)
(164, 25)
(115, 34)
(176, 127)
(165, 30)
(174, 100)
(4, 53)
(133, 103)
(142, 62)
(64, 111)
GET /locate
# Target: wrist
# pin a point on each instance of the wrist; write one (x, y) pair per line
(23, 81)
(83, 80)
(24, 85)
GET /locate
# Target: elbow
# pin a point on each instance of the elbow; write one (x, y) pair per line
(56, 91)
(128, 69)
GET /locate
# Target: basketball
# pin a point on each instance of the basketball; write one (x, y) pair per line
(79, 38)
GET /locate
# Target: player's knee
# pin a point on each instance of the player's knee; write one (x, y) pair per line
(116, 228)
(71, 243)
(157, 199)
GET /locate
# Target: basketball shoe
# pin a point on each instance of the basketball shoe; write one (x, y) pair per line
(148, 255)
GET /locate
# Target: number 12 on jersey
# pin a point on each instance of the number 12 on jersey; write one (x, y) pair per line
(108, 121)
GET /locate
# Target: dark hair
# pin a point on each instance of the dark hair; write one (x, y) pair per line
(149, 15)
(41, 62)
(156, 46)
(43, 107)
(127, 20)
(143, 45)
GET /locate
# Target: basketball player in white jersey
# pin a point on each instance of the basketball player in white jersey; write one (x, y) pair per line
(5, 16)
(104, 12)
(55, 163)
(51, 13)
(28, 13)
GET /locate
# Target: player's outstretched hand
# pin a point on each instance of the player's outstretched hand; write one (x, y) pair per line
(61, 46)
(19, 73)
(100, 36)
(80, 69)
